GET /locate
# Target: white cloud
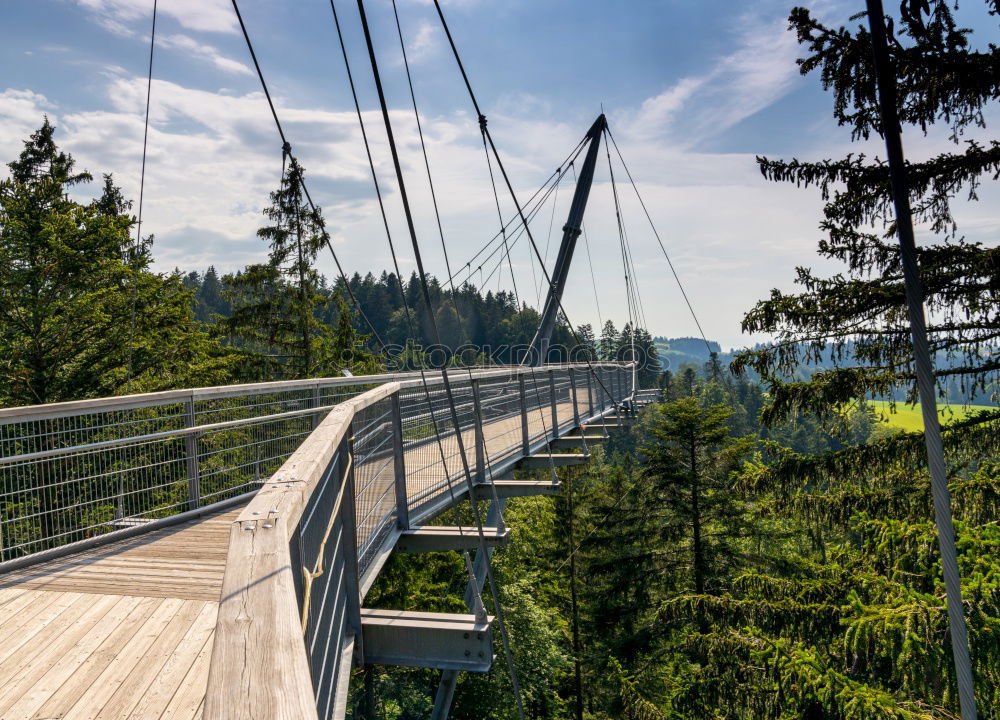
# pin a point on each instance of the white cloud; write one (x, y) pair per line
(191, 46)
(122, 16)
(423, 43)
(213, 158)
(757, 73)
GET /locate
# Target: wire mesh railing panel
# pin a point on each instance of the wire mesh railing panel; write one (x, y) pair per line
(86, 470)
(564, 399)
(319, 545)
(430, 443)
(50, 501)
(73, 471)
(374, 478)
(500, 404)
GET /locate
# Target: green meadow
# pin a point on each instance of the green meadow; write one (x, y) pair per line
(908, 417)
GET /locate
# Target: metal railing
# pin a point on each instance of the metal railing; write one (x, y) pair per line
(79, 470)
(315, 537)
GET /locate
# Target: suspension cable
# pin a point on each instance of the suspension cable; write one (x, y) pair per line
(437, 215)
(533, 210)
(629, 299)
(548, 240)
(411, 326)
(503, 228)
(543, 189)
(510, 187)
(437, 338)
(142, 188)
(659, 240)
(286, 148)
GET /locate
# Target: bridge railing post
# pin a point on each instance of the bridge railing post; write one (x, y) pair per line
(191, 452)
(399, 464)
(525, 445)
(315, 400)
(590, 391)
(552, 404)
(477, 408)
(576, 405)
(348, 519)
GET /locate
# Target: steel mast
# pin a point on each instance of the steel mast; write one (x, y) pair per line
(539, 350)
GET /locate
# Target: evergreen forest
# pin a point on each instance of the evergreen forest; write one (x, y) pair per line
(755, 545)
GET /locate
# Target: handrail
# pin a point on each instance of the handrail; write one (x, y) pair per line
(259, 603)
(306, 518)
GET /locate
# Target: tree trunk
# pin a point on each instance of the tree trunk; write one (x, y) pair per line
(699, 551)
(577, 671)
(303, 309)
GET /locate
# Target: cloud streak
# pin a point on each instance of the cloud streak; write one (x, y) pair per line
(123, 16)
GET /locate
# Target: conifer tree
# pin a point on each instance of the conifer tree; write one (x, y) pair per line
(610, 341)
(944, 82)
(81, 315)
(856, 628)
(277, 306)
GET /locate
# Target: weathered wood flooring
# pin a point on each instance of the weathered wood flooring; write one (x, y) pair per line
(119, 631)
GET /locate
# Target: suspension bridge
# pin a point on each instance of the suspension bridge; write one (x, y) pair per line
(249, 523)
(207, 552)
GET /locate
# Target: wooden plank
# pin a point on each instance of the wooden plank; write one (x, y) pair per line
(74, 622)
(62, 660)
(23, 599)
(20, 630)
(34, 658)
(128, 655)
(189, 700)
(170, 680)
(149, 666)
(74, 686)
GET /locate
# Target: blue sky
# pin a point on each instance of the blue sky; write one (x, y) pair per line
(693, 91)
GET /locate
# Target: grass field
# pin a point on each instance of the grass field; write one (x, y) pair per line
(908, 417)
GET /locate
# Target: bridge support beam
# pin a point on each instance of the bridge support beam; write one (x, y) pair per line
(446, 687)
(576, 442)
(524, 488)
(435, 538)
(534, 462)
(447, 641)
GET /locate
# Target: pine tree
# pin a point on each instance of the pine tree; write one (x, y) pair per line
(81, 315)
(277, 306)
(588, 344)
(690, 457)
(610, 341)
(943, 80)
(856, 627)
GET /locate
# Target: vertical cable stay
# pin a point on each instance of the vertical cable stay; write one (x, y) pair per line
(503, 228)
(142, 189)
(548, 239)
(286, 148)
(630, 292)
(437, 338)
(509, 247)
(509, 185)
(439, 443)
(437, 216)
(659, 240)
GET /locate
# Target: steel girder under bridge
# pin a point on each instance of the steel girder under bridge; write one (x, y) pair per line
(207, 552)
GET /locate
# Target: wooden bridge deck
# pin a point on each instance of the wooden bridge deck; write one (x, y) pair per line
(118, 631)
(125, 630)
